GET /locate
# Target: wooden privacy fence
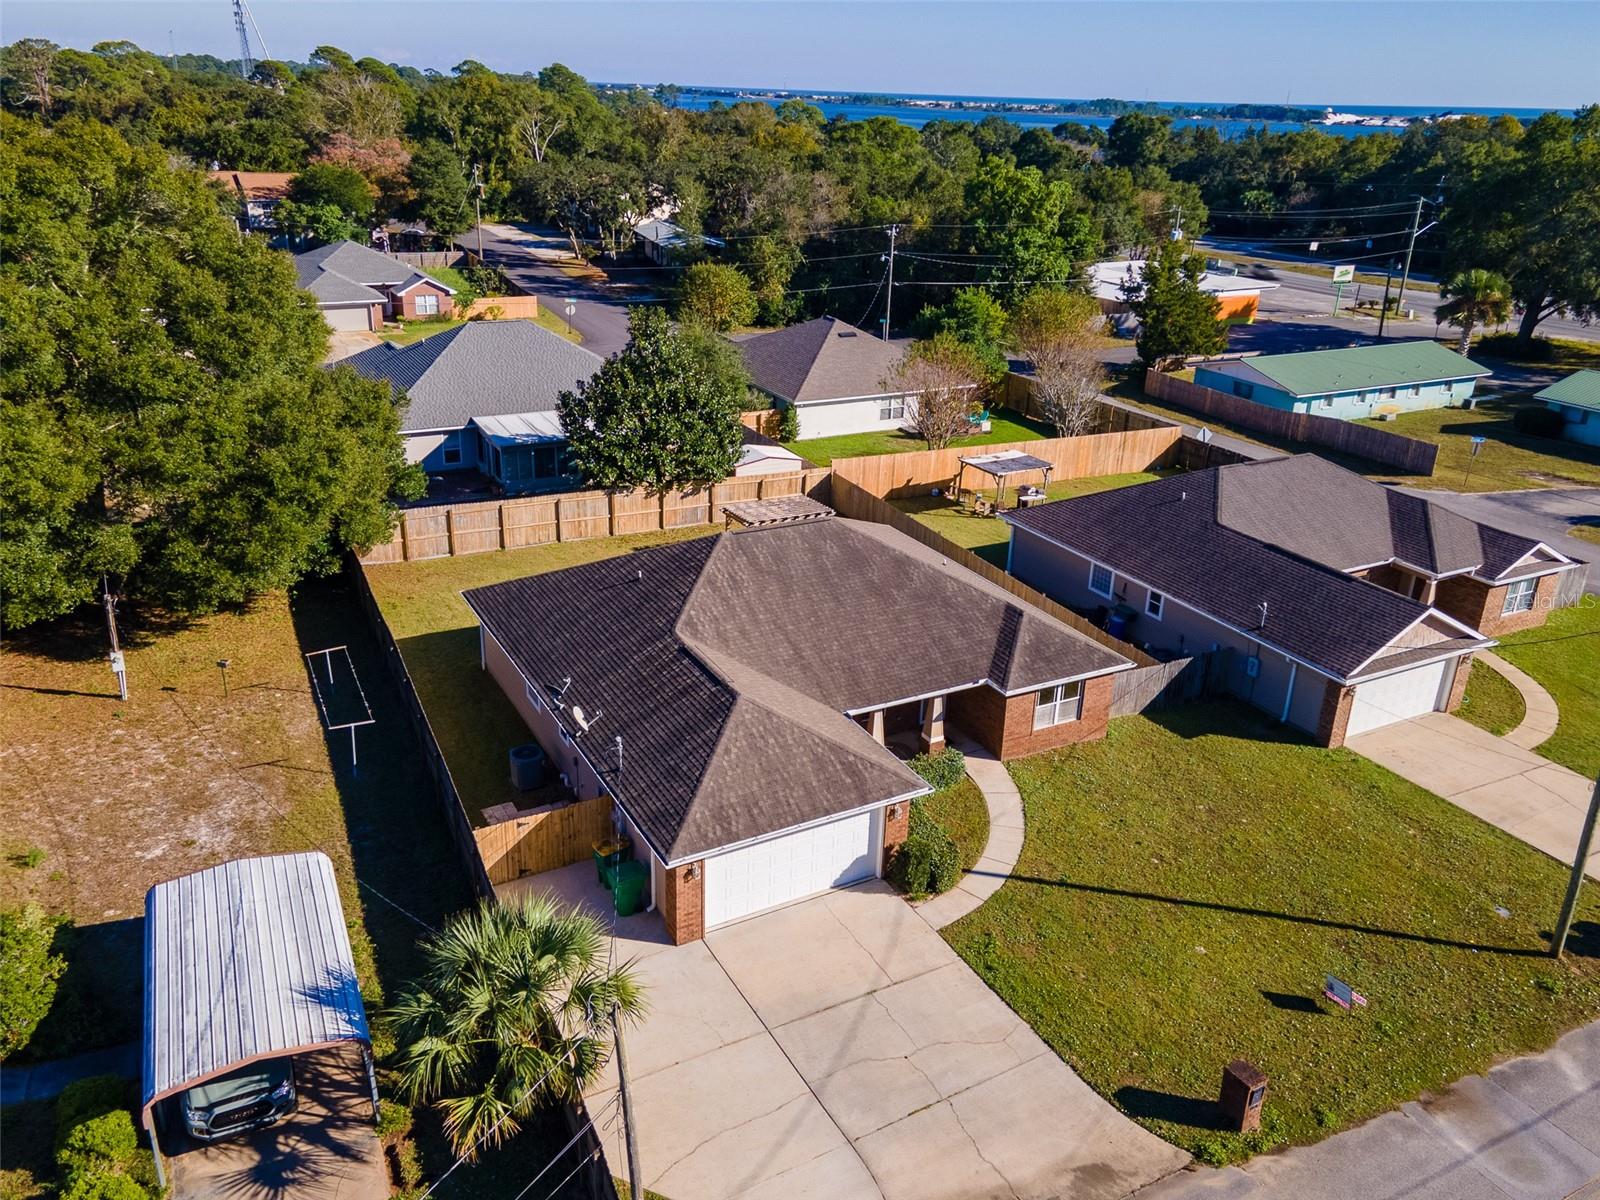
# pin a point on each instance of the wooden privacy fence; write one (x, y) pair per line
(543, 840)
(512, 308)
(455, 813)
(884, 475)
(423, 259)
(1157, 686)
(1377, 445)
(441, 531)
(854, 501)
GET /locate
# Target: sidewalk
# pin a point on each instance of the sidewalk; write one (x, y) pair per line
(44, 1081)
(1529, 1128)
(1004, 845)
(1540, 715)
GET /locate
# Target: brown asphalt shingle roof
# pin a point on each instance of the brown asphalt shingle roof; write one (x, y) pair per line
(822, 359)
(727, 664)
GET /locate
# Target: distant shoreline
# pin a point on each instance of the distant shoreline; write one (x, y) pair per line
(1351, 117)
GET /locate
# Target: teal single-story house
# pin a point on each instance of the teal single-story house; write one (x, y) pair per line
(1577, 399)
(1358, 381)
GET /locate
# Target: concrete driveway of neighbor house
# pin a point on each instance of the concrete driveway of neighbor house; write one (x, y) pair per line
(839, 1049)
(1531, 798)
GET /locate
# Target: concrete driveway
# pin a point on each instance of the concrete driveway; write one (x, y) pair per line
(1531, 798)
(839, 1049)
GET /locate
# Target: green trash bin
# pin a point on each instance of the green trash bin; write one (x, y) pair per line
(608, 852)
(630, 880)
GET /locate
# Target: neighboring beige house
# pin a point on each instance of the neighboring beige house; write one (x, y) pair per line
(357, 287)
(834, 375)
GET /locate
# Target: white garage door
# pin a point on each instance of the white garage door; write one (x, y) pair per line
(745, 881)
(1398, 696)
(349, 318)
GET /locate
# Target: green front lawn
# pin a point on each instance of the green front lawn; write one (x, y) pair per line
(962, 812)
(407, 332)
(1187, 883)
(438, 637)
(1564, 655)
(1508, 459)
(1004, 426)
(1566, 354)
(988, 536)
(1491, 701)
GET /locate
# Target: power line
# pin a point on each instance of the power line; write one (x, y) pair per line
(589, 1124)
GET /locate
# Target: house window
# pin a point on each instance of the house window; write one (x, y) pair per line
(1386, 394)
(1101, 580)
(533, 697)
(1519, 597)
(427, 305)
(1326, 401)
(1450, 388)
(1154, 605)
(450, 451)
(892, 408)
(1416, 389)
(1057, 705)
(1241, 388)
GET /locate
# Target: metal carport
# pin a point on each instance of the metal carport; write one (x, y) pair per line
(245, 961)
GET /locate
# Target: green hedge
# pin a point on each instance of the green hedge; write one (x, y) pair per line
(927, 862)
(97, 1147)
(28, 974)
(942, 770)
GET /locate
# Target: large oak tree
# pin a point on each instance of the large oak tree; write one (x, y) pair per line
(166, 419)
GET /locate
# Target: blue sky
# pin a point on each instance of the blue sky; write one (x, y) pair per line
(1511, 53)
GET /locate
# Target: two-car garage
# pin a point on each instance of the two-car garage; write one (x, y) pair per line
(1400, 696)
(792, 866)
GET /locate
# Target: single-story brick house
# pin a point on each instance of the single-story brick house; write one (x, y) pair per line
(759, 682)
(1342, 605)
(1355, 382)
(836, 377)
(1577, 399)
(483, 396)
(357, 287)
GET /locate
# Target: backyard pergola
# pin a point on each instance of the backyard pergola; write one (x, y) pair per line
(1001, 466)
(246, 961)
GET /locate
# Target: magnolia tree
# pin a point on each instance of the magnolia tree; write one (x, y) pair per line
(942, 378)
(1055, 332)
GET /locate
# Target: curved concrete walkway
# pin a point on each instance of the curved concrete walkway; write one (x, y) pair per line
(1005, 839)
(1541, 715)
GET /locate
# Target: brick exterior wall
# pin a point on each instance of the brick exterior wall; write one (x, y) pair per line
(1458, 685)
(1388, 576)
(1478, 604)
(1335, 715)
(408, 302)
(683, 905)
(1005, 724)
(894, 831)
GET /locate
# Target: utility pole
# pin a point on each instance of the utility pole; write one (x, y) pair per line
(1411, 245)
(635, 1180)
(477, 182)
(118, 664)
(1383, 311)
(1569, 906)
(888, 300)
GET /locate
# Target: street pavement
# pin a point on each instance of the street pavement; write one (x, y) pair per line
(1528, 1129)
(527, 255)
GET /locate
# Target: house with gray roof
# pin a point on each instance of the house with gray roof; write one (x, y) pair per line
(837, 378)
(357, 287)
(1334, 603)
(483, 396)
(762, 688)
(1577, 399)
(1350, 383)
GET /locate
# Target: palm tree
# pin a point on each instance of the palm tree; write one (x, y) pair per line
(513, 1010)
(1473, 298)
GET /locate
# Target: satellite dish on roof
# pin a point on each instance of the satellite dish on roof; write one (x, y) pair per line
(580, 718)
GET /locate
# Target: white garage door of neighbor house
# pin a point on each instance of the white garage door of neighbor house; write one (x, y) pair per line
(348, 318)
(1396, 697)
(775, 872)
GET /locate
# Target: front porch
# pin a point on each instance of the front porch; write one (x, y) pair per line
(909, 727)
